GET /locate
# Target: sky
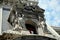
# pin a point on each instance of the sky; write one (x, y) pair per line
(52, 11)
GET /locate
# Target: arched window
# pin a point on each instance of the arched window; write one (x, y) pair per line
(31, 26)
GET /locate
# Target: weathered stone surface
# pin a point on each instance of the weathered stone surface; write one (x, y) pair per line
(7, 36)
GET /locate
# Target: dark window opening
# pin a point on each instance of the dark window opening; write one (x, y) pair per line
(31, 28)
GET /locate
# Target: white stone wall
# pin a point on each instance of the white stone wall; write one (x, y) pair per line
(0, 21)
